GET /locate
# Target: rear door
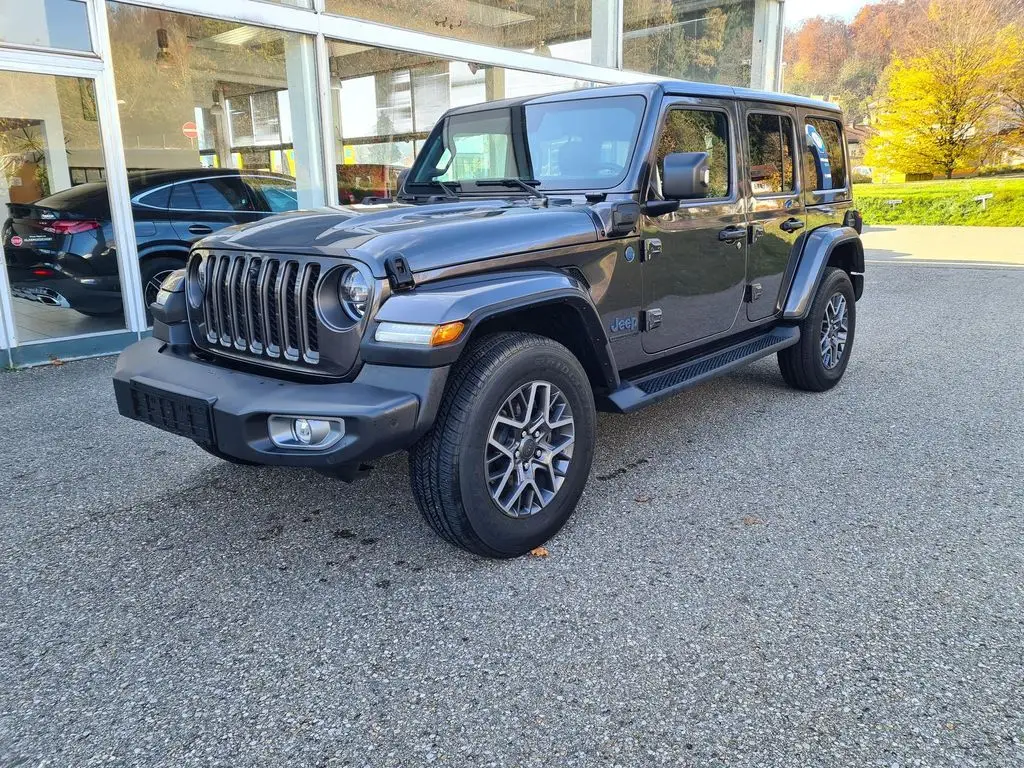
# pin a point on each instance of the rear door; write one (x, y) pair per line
(694, 260)
(776, 210)
(827, 190)
(200, 207)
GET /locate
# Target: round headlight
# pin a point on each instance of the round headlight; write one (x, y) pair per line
(195, 285)
(354, 293)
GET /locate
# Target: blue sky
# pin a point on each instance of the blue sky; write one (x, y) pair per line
(798, 10)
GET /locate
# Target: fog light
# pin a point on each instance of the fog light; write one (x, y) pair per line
(305, 432)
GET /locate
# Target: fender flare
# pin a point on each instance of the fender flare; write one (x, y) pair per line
(476, 299)
(164, 248)
(817, 249)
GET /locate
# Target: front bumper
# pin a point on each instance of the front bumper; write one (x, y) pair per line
(385, 409)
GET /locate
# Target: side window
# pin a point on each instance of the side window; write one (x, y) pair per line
(279, 194)
(210, 195)
(824, 160)
(158, 198)
(772, 169)
(691, 130)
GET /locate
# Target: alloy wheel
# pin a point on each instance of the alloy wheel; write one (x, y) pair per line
(152, 287)
(529, 449)
(834, 331)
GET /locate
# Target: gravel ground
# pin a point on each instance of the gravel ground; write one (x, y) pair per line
(755, 577)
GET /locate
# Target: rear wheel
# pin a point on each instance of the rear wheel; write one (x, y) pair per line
(510, 452)
(817, 362)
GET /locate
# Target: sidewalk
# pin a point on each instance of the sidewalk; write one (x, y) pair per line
(969, 246)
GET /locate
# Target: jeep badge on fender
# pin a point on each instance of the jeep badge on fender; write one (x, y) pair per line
(625, 243)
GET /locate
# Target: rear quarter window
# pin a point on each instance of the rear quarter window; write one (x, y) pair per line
(824, 156)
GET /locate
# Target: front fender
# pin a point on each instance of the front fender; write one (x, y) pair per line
(474, 300)
(818, 247)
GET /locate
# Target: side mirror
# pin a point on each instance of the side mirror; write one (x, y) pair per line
(687, 175)
(402, 176)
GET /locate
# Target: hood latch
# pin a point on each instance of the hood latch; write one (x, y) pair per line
(399, 274)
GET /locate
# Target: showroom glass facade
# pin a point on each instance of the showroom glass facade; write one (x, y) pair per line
(130, 129)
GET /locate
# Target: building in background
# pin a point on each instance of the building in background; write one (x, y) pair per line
(315, 101)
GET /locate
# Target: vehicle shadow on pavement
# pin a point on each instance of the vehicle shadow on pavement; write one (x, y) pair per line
(303, 522)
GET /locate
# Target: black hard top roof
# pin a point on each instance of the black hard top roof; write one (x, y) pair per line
(666, 87)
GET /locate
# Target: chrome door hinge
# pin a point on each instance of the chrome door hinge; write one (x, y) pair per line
(649, 249)
(651, 319)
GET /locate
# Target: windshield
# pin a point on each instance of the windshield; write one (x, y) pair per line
(577, 144)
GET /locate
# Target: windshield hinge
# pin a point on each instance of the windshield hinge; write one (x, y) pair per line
(399, 274)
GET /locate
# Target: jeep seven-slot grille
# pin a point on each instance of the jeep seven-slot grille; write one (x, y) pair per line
(261, 305)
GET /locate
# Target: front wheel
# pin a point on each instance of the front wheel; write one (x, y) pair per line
(510, 452)
(817, 362)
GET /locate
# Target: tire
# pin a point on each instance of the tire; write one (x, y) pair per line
(213, 451)
(448, 466)
(804, 365)
(153, 270)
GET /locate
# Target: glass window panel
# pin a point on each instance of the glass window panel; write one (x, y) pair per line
(386, 102)
(58, 239)
(235, 100)
(45, 23)
(706, 42)
(690, 130)
(771, 154)
(559, 28)
(825, 160)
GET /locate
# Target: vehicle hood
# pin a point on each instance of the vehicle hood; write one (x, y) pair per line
(428, 236)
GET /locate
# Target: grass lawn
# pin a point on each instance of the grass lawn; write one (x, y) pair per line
(944, 202)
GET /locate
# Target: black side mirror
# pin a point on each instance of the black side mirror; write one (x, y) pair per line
(402, 176)
(687, 175)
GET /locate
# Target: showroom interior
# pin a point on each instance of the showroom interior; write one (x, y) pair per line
(316, 102)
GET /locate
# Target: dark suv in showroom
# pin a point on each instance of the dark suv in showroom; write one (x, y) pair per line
(546, 257)
(60, 249)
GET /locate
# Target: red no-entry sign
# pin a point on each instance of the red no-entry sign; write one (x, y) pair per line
(189, 130)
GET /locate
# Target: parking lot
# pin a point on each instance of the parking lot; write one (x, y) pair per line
(755, 577)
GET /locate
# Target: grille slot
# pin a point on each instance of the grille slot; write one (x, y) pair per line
(261, 305)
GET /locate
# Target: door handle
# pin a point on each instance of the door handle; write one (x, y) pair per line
(792, 225)
(732, 234)
(200, 229)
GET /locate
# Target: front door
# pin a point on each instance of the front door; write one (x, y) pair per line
(695, 259)
(777, 215)
(202, 206)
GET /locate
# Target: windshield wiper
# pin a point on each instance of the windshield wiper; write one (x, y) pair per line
(527, 185)
(449, 192)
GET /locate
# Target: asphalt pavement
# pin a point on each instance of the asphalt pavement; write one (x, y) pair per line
(755, 577)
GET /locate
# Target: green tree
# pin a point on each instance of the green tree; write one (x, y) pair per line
(937, 102)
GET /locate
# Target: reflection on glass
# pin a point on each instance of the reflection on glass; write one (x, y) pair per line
(57, 237)
(45, 23)
(558, 28)
(233, 136)
(385, 103)
(702, 41)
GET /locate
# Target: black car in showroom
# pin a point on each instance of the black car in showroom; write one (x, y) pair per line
(60, 249)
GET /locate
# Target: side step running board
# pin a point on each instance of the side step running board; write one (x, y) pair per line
(658, 385)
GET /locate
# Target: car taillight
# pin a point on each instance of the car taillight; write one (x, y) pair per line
(70, 227)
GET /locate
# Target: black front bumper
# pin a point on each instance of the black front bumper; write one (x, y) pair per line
(385, 409)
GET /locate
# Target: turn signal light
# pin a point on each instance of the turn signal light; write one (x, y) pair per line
(447, 333)
(418, 335)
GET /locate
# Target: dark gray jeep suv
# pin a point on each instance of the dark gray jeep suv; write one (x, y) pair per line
(546, 257)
